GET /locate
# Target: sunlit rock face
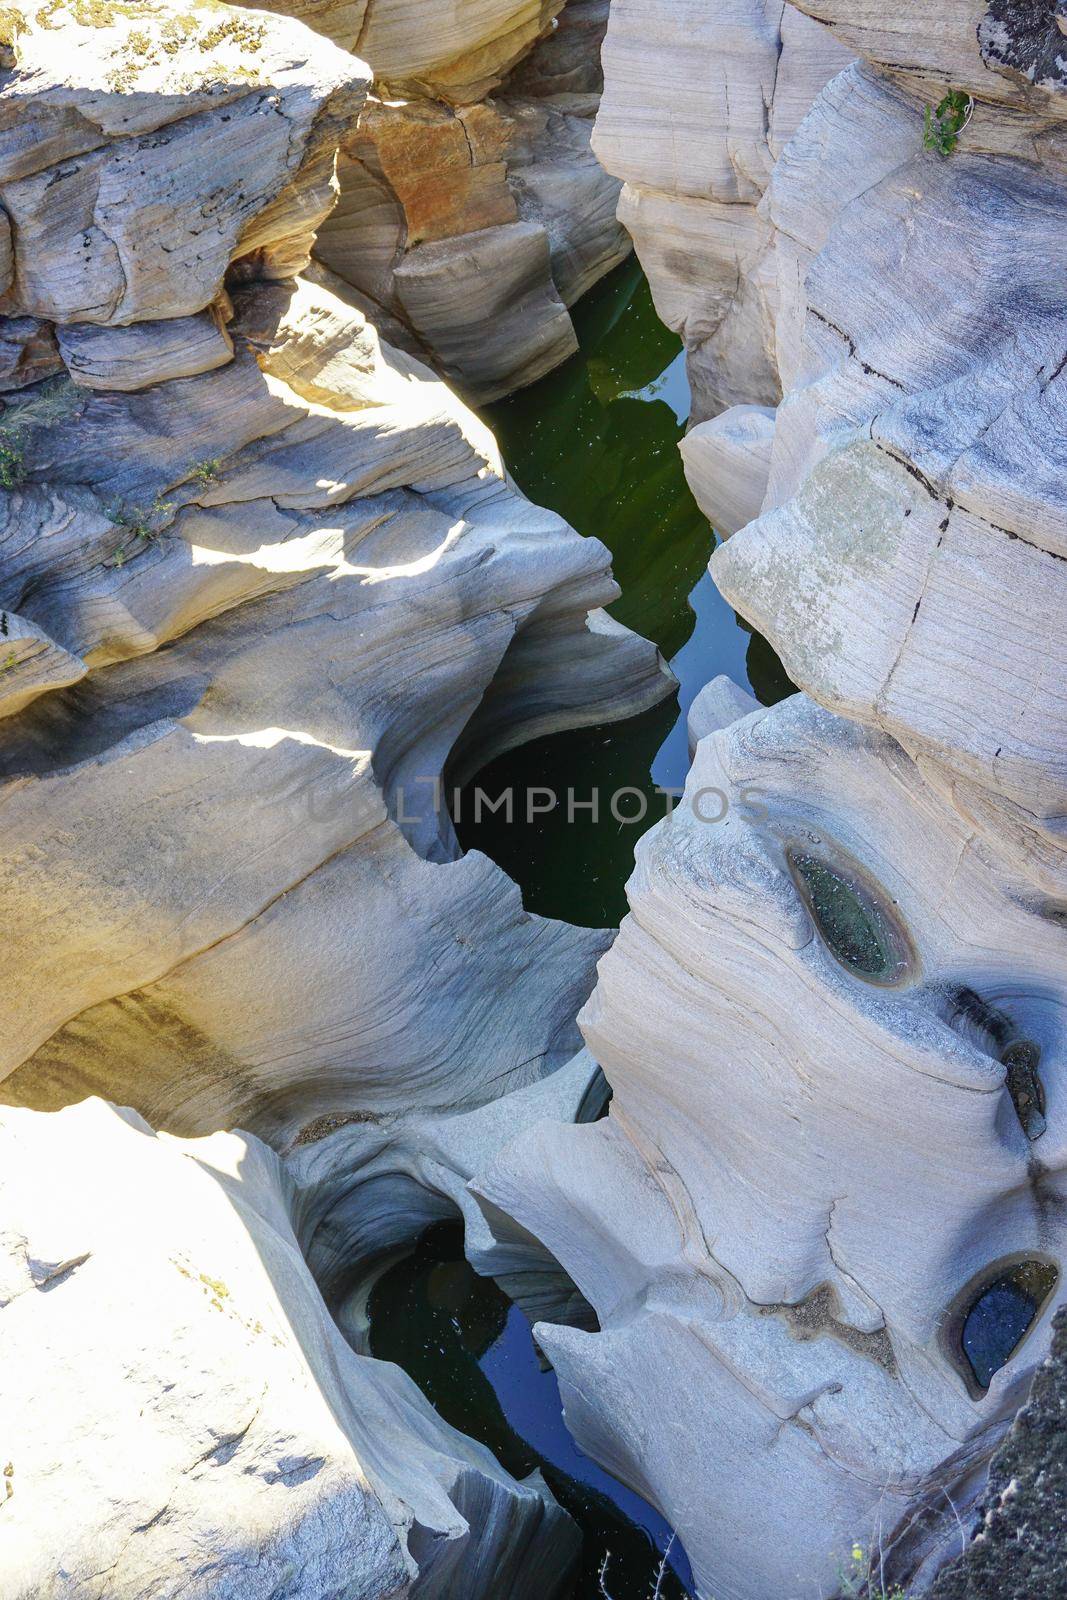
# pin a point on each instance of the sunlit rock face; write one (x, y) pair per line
(819, 1160)
(698, 103)
(456, 50)
(251, 611)
(910, 556)
(833, 1022)
(181, 1414)
(262, 577)
(471, 206)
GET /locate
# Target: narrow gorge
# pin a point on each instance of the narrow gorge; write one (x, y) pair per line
(533, 779)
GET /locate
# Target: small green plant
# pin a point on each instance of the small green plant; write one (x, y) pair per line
(11, 661)
(207, 471)
(143, 528)
(54, 400)
(12, 466)
(943, 123)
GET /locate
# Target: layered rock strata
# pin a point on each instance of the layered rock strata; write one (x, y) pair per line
(475, 217)
(833, 1022)
(262, 576)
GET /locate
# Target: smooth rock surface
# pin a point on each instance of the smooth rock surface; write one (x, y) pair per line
(200, 1427)
(727, 464)
(737, 1222)
(354, 496)
(916, 483)
(145, 353)
(698, 103)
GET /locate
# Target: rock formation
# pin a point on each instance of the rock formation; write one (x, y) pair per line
(189, 1420)
(699, 102)
(263, 581)
(834, 1021)
(265, 588)
(471, 206)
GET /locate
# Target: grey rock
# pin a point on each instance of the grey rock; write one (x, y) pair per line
(135, 357)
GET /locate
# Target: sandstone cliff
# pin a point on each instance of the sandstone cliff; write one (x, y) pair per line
(471, 206)
(262, 576)
(834, 1019)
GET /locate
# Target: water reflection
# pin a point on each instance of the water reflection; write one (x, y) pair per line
(471, 1352)
(597, 441)
(1000, 1317)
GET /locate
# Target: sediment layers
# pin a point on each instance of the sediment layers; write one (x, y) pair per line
(261, 576)
(833, 1021)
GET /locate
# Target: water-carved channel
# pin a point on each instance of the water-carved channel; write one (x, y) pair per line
(597, 442)
(471, 1352)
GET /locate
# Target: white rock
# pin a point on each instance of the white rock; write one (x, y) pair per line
(921, 449)
(180, 1413)
(719, 703)
(815, 1160)
(804, 1175)
(727, 464)
(353, 590)
(692, 122)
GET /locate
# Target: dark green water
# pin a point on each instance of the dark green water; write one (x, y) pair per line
(597, 441)
(471, 1352)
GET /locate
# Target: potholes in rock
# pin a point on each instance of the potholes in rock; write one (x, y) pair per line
(992, 1317)
(1025, 1087)
(854, 916)
(993, 1031)
(470, 1350)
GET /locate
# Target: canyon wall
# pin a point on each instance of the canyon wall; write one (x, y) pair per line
(266, 589)
(834, 1019)
(471, 207)
(263, 580)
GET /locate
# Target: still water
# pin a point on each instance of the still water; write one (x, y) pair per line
(472, 1354)
(597, 441)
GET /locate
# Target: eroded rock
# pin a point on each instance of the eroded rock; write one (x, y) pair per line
(202, 1424)
(433, 187)
(756, 1254)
